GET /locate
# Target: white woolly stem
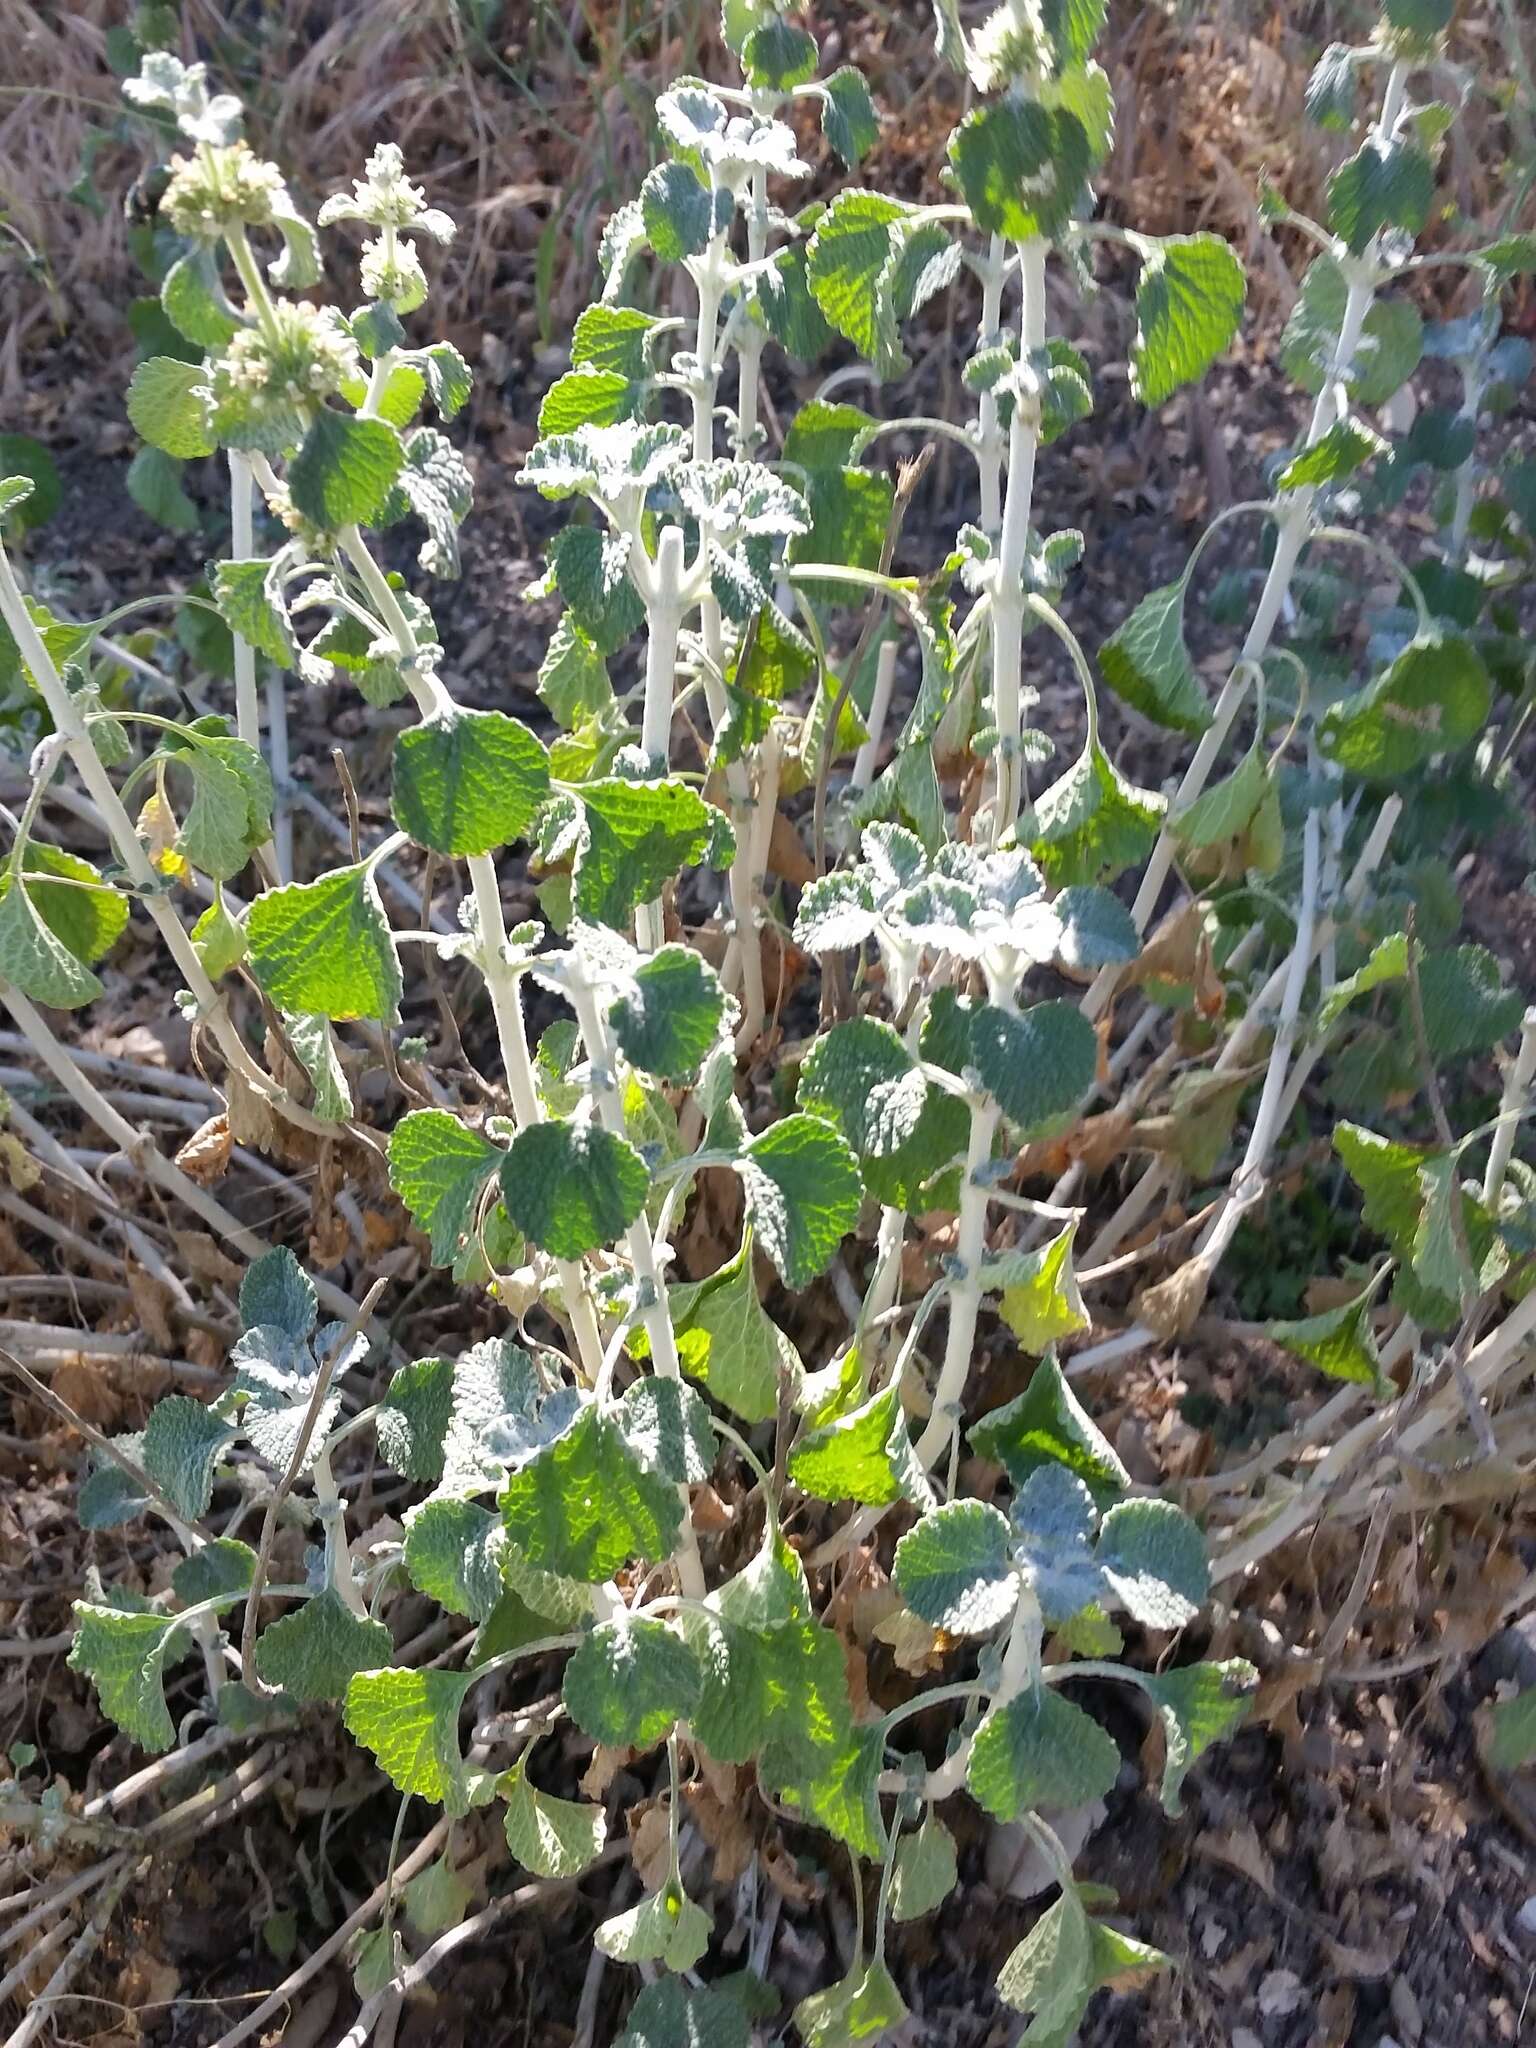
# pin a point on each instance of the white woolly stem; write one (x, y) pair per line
(656, 1313)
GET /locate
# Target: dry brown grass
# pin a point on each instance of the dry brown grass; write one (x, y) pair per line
(531, 137)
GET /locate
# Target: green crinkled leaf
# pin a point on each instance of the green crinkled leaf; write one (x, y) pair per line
(1332, 87)
(1434, 698)
(108, 1496)
(344, 472)
(124, 1655)
(1440, 1258)
(630, 1681)
(866, 1455)
(278, 1292)
(1146, 662)
(454, 1552)
(230, 814)
(613, 339)
(1021, 166)
(1041, 1301)
(325, 948)
(155, 486)
(1198, 1704)
(668, 1020)
(409, 1720)
(585, 397)
(1050, 1974)
(1512, 1743)
(187, 296)
(727, 1341)
(571, 1187)
(1037, 1064)
(222, 1569)
(848, 117)
(573, 678)
(436, 1899)
(926, 1871)
(863, 2007)
(434, 482)
(1227, 809)
(1467, 1008)
(1344, 448)
(679, 215)
(34, 960)
(668, 1927)
(439, 1168)
(1340, 1341)
(555, 1838)
(1092, 825)
(1390, 346)
(847, 256)
(955, 1571)
(86, 920)
(784, 301)
(183, 1441)
(638, 835)
(1388, 183)
(1153, 1557)
(803, 1194)
(413, 1418)
(1047, 1424)
(861, 1076)
(586, 1504)
(313, 1652)
(219, 940)
(250, 597)
(468, 782)
(672, 2013)
(1039, 1750)
(1189, 303)
(778, 55)
(167, 403)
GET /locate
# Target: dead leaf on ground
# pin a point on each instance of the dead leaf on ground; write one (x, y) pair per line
(205, 1156)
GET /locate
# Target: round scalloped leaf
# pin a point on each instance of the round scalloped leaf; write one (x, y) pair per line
(586, 1504)
(344, 472)
(167, 405)
(1037, 1064)
(1040, 1750)
(630, 1682)
(803, 1195)
(313, 1652)
(468, 782)
(1021, 166)
(955, 1571)
(1153, 1557)
(572, 1187)
(667, 1022)
(1433, 698)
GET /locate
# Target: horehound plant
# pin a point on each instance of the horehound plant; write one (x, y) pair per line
(632, 1493)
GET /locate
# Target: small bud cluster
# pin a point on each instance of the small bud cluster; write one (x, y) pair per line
(388, 200)
(223, 188)
(307, 355)
(1010, 46)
